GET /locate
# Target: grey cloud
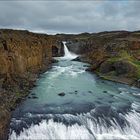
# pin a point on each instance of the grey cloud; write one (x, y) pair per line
(70, 16)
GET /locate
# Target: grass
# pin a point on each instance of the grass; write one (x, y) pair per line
(122, 55)
(18, 94)
(137, 64)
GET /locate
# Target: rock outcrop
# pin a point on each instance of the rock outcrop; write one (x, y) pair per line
(112, 55)
(23, 55)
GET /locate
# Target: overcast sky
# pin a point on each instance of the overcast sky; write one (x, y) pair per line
(70, 16)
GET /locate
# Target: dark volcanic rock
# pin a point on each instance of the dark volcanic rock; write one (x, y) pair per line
(34, 97)
(76, 59)
(106, 67)
(124, 67)
(61, 94)
(54, 61)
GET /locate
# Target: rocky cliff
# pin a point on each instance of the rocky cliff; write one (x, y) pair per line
(112, 55)
(22, 56)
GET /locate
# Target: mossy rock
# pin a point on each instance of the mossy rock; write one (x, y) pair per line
(124, 68)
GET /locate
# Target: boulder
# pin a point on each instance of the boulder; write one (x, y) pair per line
(61, 94)
(125, 67)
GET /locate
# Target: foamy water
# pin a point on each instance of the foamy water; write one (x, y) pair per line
(67, 54)
(89, 128)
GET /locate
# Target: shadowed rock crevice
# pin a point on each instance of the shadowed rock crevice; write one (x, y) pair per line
(58, 49)
(5, 45)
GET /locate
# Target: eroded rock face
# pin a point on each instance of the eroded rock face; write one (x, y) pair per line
(124, 67)
(58, 49)
(114, 54)
(121, 68)
(106, 67)
(22, 51)
(23, 55)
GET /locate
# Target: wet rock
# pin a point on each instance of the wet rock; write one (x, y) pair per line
(76, 59)
(18, 100)
(111, 95)
(54, 61)
(106, 67)
(34, 97)
(61, 94)
(90, 69)
(76, 91)
(124, 67)
(70, 92)
(85, 65)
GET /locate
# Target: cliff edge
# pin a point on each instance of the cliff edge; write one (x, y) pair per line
(23, 55)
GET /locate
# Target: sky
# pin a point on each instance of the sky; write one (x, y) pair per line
(70, 16)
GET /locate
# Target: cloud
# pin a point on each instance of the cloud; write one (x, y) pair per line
(70, 16)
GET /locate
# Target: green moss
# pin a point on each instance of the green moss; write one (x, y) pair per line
(125, 55)
(122, 55)
(18, 94)
(137, 64)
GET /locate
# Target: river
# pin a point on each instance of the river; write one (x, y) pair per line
(71, 103)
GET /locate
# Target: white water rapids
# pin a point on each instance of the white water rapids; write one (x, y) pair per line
(89, 129)
(109, 115)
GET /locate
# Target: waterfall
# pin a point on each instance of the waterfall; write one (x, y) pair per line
(67, 53)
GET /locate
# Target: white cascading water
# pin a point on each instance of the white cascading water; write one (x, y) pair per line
(89, 129)
(67, 53)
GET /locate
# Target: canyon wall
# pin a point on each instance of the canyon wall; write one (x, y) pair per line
(113, 55)
(23, 55)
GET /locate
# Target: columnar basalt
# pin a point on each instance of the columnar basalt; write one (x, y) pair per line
(23, 55)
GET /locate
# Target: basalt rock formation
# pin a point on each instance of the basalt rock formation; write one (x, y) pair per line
(113, 55)
(23, 55)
